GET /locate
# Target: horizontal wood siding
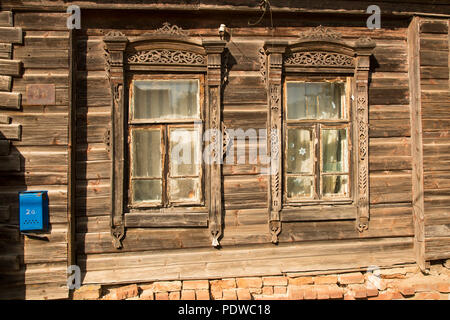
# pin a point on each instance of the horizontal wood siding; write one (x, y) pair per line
(435, 96)
(244, 186)
(36, 266)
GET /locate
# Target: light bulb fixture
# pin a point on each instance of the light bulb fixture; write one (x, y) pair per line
(222, 31)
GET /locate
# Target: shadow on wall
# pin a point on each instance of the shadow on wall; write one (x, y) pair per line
(12, 181)
(92, 167)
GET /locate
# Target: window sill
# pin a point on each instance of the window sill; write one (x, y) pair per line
(152, 219)
(318, 213)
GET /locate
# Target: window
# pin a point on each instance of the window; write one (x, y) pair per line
(165, 141)
(318, 140)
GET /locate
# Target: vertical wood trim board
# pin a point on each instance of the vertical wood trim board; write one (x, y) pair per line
(416, 142)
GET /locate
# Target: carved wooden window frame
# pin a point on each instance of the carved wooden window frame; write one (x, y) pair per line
(166, 50)
(319, 51)
(314, 124)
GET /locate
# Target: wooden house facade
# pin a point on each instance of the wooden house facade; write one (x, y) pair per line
(344, 162)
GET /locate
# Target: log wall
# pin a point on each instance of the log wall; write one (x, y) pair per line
(34, 266)
(245, 188)
(36, 141)
(435, 108)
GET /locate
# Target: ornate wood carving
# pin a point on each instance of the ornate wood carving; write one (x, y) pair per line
(214, 50)
(274, 51)
(320, 33)
(168, 29)
(166, 56)
(180, 55)
(364, 47)
(262, 64)
(115, 44)
(319, 59)
(318, 48)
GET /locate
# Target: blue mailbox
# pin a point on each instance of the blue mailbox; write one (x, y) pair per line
(33, 208)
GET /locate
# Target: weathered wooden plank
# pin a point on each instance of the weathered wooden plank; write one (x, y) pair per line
(248, 261)
(435, 42)
(33, 178)
(434, 26)
(318, 213)
(166, 220)
(415, 75)
(10, 100)
(434, 58)
(390, 187)
(381, 112)
(41, 20)
(36, 134)
(5, 51)
(389, 128)
(10, 67)
(6, 19)
(4, 119)
(434, 84)
(388, 96)
(436, 110)
(435, 96)
(34, 58)
(5, 83)
(11, 35)
(337, 230)
(398, 149)
(434, 72)
(437, 248)
(10, 131)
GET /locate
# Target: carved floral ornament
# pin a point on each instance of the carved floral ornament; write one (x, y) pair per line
(320, 33)
(319, 59)
(191, 55)
(318, 48)
(165, 56)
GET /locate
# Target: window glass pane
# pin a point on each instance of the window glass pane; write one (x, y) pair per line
(334, 150)
(296, 108)
(300, 154)
(146, 190)
(184, 152)
(335, 185)
(315, 100)
(299, 187)
(184, 189)
(332, 101)
(146, 149)
(159, 99)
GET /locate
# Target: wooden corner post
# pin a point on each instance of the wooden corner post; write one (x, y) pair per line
(115, 45)
(274, 51)
(214, 50)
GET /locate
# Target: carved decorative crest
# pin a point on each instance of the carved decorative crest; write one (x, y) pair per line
(166, 56)
(320, 33)
(168, 29)
(114, 34)
(319, 59)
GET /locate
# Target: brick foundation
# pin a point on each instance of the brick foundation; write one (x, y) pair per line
(385, 284)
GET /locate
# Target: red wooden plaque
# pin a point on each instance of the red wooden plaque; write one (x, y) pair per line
(41, 94)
